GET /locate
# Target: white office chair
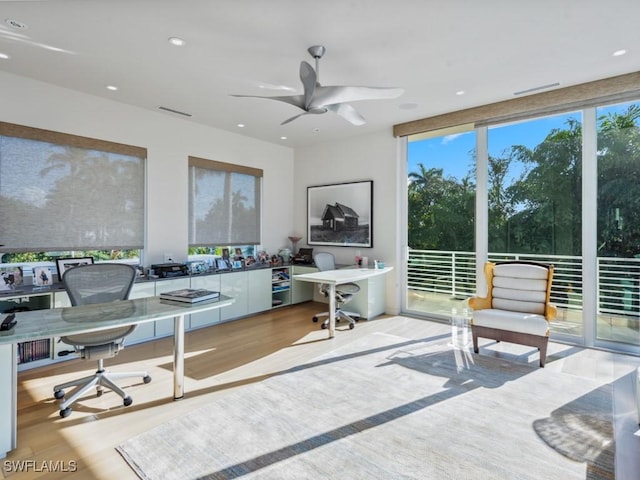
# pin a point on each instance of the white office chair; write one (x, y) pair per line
(344, 293)
(92, 284)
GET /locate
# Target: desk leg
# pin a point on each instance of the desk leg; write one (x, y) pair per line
(178, 357)
(332, 310)
(8, 398)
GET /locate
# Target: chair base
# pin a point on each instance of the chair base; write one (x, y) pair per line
(537, 341)
(102, 378)
(350, 317)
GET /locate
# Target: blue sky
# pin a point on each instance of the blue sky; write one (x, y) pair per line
(453, 153)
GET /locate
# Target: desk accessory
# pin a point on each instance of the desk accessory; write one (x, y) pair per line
(190, 295)
(9, 322)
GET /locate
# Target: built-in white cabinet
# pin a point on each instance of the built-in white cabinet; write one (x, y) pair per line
(235, 285)
(164, 328)
(211, 317)
(280, 286)
(259, 283)
(144, 331)
(302, 291)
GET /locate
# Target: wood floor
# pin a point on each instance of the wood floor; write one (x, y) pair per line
(218, 358)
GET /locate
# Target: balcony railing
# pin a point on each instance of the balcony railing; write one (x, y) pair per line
(454, 274)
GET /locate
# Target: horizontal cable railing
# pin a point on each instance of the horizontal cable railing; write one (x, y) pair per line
(454, 274)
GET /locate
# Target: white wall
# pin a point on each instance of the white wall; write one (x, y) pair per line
(366, 157)
(169, 142)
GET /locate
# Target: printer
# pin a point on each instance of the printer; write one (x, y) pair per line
(168, 270)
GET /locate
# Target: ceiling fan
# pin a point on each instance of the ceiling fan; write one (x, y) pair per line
(318, 99)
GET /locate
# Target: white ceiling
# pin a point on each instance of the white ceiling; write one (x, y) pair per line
(431, 48)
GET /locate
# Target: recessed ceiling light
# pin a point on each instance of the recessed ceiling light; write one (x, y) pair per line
(460, 92)
(241, 125)
(620, 52)
(4, 56)
(16, 24)
(283, 138)
(177, 41)
(113, 88)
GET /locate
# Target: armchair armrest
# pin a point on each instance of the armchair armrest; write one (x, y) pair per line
(551, 312)
(479, 303)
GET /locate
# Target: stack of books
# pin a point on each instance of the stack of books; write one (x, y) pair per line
(190, 295)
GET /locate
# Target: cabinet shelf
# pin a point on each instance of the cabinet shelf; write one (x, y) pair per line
(280, 286)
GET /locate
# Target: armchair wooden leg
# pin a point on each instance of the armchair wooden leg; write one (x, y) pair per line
(475, 342)
(543, 352)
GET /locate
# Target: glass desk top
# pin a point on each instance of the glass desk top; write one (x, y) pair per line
(56, 322)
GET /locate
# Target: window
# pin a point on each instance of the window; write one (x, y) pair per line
(62, 192)
(224, 204)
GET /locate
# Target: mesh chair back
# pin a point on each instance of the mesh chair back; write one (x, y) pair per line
(99, 283)
(324, 261)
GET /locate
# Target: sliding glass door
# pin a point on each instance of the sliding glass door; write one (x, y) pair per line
(618, 221)
(561, 189)
(440, 221)
(535, 204)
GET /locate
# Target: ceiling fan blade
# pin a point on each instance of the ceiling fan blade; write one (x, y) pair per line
(347, 112)
(288, 120)
(330, 95)
(295, 100)
(308, 79)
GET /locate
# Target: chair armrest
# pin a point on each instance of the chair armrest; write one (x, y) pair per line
(551, 312)
(479, 303)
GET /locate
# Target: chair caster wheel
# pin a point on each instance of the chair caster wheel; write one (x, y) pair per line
(65, 412)
(126, 401)
(146, 379)
(58, 394)
(315, 319)
(352, 326)
(323, 326)
(99, 393)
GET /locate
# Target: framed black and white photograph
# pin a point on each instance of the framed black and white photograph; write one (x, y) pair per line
(65, 264)
(340, 214)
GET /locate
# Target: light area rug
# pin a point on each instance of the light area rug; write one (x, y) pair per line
(386, 407)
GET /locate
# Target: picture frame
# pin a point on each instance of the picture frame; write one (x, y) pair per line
(221, 264)
(64, 264)
(341, 214)
(10, 278)
(42, 276)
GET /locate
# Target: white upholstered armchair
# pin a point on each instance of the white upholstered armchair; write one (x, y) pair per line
(517, 306)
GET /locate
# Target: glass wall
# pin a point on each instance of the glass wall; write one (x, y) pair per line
(441, 221)
(618, 223)
(535, 203)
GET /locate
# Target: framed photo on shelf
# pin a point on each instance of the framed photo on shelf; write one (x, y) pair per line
(221, 264)
(42, 276)
(340, 215)
(10, 278)
(65, 264)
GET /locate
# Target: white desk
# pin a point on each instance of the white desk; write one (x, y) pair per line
(339, 277)
(56, 322)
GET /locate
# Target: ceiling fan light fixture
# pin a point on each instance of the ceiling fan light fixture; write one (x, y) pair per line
(318, 99)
